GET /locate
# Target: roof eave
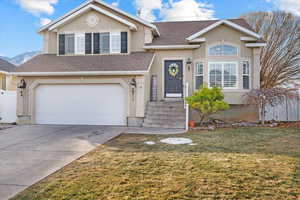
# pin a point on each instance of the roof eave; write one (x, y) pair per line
(78, 73)
(218, 23)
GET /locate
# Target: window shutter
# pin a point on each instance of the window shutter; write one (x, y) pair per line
(88, 43)
(115, 42)
(96, 43)
(80, 43)
(61, 45)
(124, 42)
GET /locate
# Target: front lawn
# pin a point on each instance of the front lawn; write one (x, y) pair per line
(245, 163)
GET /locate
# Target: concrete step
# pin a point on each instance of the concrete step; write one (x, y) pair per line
(165, 103)
(166, 109)
(164, 121)
(166, 116)
(162, 125)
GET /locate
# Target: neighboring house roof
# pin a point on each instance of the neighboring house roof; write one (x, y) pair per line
(134, 62)
(89, 2)
(6, 66)
(176, 33)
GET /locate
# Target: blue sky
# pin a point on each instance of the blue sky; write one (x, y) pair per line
(20, 19)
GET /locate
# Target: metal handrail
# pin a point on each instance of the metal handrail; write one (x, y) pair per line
(186, 105)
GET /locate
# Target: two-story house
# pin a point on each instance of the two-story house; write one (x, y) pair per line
(103, 66)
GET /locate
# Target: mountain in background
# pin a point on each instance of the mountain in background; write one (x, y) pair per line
(22, 58)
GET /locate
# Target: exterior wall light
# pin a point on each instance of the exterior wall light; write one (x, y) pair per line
(22, 86)
(132, 83)
(189, 62)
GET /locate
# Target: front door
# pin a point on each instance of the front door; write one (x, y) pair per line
(173, 78)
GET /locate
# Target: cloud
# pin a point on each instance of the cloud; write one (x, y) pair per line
(37, 7)
(292, 6)
(187, 10)
(115, 3)
(44, 21)
(146, 8)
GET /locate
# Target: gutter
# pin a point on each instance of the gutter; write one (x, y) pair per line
(172, 47)
(79, 73)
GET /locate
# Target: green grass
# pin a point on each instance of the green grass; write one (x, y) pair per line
(245, 163)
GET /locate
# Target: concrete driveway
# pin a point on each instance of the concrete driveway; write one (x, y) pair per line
(30, 153)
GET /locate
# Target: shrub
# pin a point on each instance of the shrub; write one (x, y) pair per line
(207, 101)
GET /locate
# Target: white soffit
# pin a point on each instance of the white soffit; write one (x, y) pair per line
(198, 40)
(256, 44)
(229, 23)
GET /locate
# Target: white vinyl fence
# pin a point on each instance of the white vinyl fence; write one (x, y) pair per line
(8, 106)
(289, 111)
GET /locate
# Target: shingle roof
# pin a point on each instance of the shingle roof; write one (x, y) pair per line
(175, 33)
(139, 61)
(6, 66)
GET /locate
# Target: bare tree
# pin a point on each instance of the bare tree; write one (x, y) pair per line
(280, 59)
(272, 97)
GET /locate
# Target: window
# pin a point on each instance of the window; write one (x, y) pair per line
(223, 50)
(223, 75)
(104, 43)
(215, 75)
(70, 44)
(116, 42)
(80, 43)
(246, 75)
(93, 43)
(199, 75)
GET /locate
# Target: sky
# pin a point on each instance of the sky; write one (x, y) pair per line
(20, 19)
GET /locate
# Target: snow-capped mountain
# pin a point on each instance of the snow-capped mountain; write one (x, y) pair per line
(22, 58)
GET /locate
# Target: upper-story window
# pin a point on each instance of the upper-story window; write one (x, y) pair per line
(93, 43)
(223, 50)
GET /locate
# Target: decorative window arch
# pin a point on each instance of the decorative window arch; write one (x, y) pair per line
(223, 50)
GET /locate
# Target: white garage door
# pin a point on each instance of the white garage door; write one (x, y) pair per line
(101, 104)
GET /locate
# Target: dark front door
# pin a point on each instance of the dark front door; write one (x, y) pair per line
(173, 79)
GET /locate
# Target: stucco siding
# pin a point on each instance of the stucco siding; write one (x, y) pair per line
(136, 39)
(220, 35)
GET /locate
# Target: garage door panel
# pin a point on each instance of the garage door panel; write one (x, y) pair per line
(101, 104)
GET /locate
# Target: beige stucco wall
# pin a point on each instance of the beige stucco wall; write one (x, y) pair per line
(222, 34)
(135, 97)
(8, 82)
(136, 39)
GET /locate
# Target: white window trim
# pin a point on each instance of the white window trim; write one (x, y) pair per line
(249, 75)
(195, 73)
(225, 62)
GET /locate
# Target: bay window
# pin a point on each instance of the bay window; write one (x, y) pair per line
(199, 74)
(223, 75)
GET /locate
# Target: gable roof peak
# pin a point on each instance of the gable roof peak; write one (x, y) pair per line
(90, 2)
